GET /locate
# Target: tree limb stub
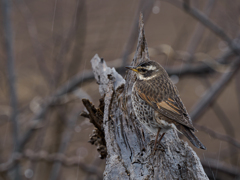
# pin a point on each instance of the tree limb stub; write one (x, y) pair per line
(128, 144)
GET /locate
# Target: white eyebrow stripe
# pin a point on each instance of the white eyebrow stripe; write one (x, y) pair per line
(151, 67)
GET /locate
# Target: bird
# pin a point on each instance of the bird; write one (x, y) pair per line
(157, 103)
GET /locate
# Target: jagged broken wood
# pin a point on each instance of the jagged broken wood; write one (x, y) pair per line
(128, 144)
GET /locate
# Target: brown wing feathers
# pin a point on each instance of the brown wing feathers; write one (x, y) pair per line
(167, 106)
(171, 106)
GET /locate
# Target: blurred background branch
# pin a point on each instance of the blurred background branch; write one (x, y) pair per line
(33, 33)
(207, 22)
(215, 90)
(57, 158)
(9, 43)
(219, 136)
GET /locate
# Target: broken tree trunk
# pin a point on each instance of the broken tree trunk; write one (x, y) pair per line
(125, 143)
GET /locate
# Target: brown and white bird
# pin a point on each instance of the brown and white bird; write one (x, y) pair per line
(157, 104)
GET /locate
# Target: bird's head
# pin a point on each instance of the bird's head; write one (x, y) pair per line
(147, 70)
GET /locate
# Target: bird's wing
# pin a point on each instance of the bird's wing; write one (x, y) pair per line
(163, 97)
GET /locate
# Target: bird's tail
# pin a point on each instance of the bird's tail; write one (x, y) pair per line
(192, 138)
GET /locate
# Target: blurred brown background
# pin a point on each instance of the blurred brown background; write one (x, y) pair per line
(53, 40)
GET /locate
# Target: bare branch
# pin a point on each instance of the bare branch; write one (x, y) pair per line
(219, 136)
(80, 36)
(206, 22)
(45, 156)
(199, 30)
(214, 91)
(66, 88)
(96, 162)
(223, 119)
(32, 30)
(10, 67)
(220, 166)
(38, 144)
(6, 11)
(75, 32)
(65, 141)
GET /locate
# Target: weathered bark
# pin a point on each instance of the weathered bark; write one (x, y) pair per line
(129, 145)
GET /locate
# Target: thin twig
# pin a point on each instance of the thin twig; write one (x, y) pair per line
(220, 166)
(39, 144)
(224, 154)
(206, 22)
(67, 43)
(96, 162)
(219, 136)
(45, 156)
(214, 91)
(223, 119)
(6, 11)
(10, 68)
(199, 30)
(65, 141)
(80, 37)
(32, 30)
(66, 88)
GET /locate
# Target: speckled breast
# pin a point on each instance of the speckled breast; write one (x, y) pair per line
(144, 112)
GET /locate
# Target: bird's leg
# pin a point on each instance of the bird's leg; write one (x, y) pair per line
(155, 144)
(161, 139)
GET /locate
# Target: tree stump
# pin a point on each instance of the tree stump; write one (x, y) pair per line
(125, 143)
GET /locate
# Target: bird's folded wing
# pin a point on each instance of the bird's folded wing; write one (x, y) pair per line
(170, 105)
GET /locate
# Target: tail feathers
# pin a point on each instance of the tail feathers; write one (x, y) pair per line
(192, 138)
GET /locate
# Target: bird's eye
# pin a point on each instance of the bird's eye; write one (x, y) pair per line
(143, 70)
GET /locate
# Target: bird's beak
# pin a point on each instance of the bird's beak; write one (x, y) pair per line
(132, 68)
